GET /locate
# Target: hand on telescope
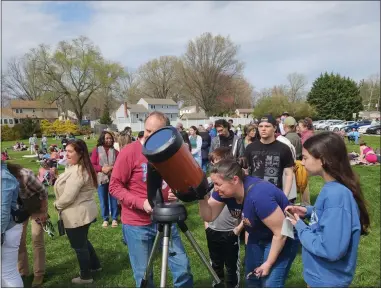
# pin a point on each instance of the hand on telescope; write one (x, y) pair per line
(172, 197)
(147, 207)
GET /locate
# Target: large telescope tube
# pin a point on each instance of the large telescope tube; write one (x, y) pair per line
(170, 156)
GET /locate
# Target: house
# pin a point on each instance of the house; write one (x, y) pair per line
(70, 115)
(372, 115)
(244, 112)
(22, 109)
(167, 106)
(133, 115)
(194, 115)
(7, 117)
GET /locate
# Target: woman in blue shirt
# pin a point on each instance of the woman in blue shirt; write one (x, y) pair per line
(269, 254)
(330, 241)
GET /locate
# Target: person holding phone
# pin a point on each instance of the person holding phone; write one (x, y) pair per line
(269, 254)
(330, 241)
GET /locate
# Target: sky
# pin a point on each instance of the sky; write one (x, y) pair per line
(274, 38)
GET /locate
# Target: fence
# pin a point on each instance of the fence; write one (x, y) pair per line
(186, 122)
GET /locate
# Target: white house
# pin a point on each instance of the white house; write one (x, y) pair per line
(167, 106)
(133, 115)
(244, 112)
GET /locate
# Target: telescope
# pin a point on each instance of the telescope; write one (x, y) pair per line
(169, 159)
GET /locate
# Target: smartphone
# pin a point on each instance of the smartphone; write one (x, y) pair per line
(290, 215)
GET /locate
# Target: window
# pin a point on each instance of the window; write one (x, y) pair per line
(10, 121)
(16, 121)
(1, 121)
(137, 116)
(5, 121)
(152, 106)
(33, 110)
(20, 110)
(17, 111)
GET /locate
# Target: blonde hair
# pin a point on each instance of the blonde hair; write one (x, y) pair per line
(123, 140)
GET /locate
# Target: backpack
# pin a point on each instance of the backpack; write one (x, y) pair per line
(301, 176)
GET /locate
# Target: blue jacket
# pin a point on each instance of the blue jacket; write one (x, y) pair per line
(331, 240)
(9, 194)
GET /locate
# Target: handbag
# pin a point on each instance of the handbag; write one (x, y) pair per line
(60, 225)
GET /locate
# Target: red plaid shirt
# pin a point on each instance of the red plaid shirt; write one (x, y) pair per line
(31, 185)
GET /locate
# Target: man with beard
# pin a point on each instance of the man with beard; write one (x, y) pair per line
(268, 158)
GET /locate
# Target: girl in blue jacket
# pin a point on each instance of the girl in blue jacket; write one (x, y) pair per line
(330, 241)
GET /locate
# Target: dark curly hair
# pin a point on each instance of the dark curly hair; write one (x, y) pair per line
(101, 139)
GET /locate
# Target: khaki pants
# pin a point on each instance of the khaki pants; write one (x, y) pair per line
(38, 242)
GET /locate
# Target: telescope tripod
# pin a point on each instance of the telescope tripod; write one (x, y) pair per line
(165, 215)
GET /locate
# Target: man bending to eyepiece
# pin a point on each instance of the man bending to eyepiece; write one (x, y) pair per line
(128, 184)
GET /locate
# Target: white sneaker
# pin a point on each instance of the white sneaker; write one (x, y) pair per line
(78, 280)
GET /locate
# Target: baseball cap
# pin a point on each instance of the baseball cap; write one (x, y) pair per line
(289, 121)
(268, 118)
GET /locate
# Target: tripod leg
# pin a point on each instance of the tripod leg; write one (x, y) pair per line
(198, 250)
(164, 260)
(144, 282)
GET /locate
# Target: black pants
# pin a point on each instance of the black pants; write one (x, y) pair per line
(224, 252)
(87, 258)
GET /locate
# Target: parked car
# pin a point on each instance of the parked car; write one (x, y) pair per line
(317, 122)
(356, 125)
(363, 129)
(325, 125)
(375, 129)
(336, 127)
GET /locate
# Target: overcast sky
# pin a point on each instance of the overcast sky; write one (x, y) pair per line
(275, 38)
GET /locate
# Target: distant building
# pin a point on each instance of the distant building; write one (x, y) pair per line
(130, 114)
(244, 112)
(371, 115)
(20, 110)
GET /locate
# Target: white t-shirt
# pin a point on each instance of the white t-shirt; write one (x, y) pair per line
(293, 191)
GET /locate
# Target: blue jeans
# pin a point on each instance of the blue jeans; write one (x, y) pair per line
(256, 255)
(140, 240)
(198, 159)
(108, 203)
(205, 165)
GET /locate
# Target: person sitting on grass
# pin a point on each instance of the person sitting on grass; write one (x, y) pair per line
(353, 136)
(368, 155)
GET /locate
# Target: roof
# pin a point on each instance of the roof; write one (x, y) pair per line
(32, 104)
(6, 112)
(245, 110)
(187, 107)
(159, 101)
(199, 115)
(137, 108)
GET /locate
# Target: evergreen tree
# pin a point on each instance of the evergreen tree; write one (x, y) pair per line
(106, 119)
(335, 97)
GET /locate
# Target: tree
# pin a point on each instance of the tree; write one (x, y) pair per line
(335, 96)
(370, 92)
(130, 87)
(106, 119)
(277, 104)
(22, 79)
(158, 77)
(296, 85)
(209, 59)
(75, 71)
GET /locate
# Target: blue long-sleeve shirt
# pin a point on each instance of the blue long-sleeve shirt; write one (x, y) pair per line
(9, 194)
(331, 240)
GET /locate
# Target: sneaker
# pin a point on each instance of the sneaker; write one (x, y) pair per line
(105, 224)
(114, 223)
(79, 280)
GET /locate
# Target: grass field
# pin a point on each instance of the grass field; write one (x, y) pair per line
(62, 265)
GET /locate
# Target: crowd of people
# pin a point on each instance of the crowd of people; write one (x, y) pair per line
(259, 191)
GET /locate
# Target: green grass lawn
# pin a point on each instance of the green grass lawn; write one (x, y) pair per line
(62, 265)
